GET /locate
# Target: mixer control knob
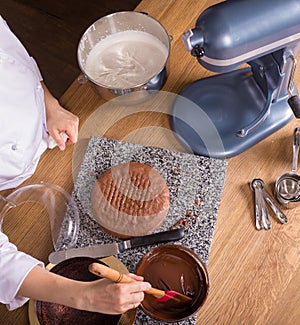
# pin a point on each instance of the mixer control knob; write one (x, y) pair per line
(197, 51)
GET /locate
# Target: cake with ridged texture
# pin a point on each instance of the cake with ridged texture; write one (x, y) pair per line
(130, 199)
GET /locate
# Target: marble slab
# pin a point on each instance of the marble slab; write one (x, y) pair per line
(195, 185)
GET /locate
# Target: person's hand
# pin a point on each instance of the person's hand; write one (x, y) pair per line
(102, 296)
(60, 122)
(108, 297)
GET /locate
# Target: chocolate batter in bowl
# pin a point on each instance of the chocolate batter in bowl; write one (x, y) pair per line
(55, 314)
(178, 268)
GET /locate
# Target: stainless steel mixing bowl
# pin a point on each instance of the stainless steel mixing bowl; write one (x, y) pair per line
(115, 23)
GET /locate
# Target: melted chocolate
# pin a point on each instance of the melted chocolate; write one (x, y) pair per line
(174, 267)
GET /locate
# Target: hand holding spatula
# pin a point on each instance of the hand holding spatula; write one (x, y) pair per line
(160, 295)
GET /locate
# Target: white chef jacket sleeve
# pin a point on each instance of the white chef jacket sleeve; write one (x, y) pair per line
(36, 69)
(14, 267)
(24, 136)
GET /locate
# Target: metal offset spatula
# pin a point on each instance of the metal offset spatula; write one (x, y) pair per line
(97, 251)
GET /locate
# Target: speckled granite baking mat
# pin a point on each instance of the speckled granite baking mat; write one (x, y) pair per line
(195, 185)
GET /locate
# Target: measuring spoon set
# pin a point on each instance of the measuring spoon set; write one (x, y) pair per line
(287, 192)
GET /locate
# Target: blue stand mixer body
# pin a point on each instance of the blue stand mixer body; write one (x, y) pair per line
(244, 105)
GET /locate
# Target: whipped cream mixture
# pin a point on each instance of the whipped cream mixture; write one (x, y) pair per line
(126, 59)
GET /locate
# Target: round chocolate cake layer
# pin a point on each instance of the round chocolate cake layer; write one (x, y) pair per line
(130, 199)
(56, 314)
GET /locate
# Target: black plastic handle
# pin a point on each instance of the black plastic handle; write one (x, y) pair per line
(160, 237)
(294, 103)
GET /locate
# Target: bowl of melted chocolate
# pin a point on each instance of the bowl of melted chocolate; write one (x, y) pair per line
(176, 268)
(55, 314)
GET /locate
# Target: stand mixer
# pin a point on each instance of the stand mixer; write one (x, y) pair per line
(244, 104)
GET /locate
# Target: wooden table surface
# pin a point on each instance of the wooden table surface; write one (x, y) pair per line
(254, 275)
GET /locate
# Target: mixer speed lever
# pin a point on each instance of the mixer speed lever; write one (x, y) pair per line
(293, 100)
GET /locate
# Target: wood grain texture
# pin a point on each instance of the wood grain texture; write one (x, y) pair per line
(254, 275)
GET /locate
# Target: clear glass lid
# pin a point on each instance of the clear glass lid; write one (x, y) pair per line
(60, 206)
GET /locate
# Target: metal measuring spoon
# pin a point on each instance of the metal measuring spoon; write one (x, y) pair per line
(287, 186)
(262, 217)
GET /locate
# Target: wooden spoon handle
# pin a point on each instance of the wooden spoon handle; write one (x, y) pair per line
(109, 273)
(114, 275)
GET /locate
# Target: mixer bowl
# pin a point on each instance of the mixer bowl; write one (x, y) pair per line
(139, 63)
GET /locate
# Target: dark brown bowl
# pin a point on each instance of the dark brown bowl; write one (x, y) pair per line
(178, 268)
(56, 314)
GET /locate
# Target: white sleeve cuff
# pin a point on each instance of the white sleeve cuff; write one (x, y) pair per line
(14, 267)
